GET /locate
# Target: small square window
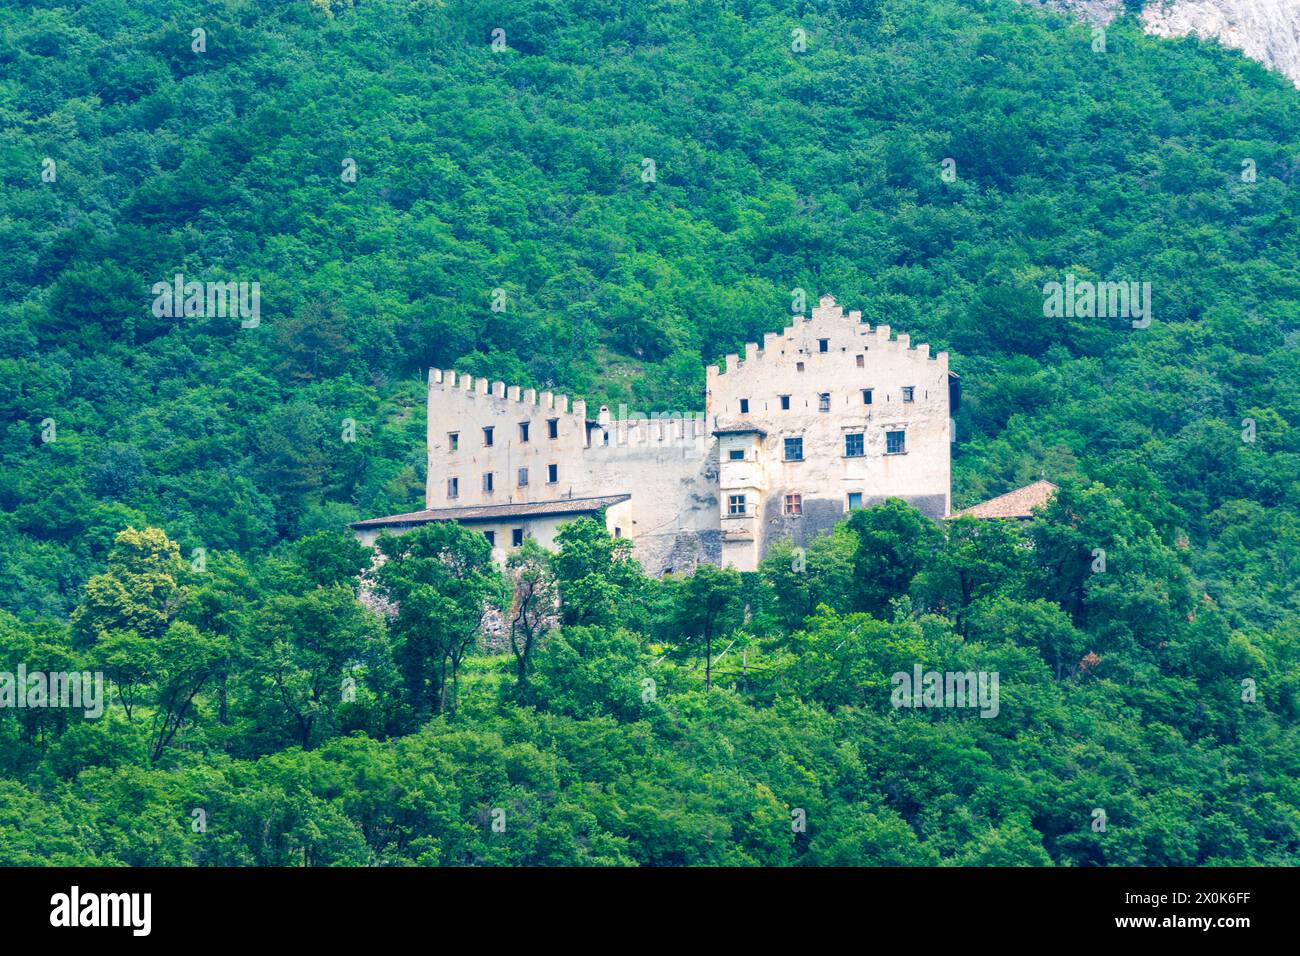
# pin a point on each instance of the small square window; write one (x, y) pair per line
(824, 402)
(523, 432)
(487, 437)
(866, 396)
(744, 406)
(785, 403)
(823, 345)
(895, 443)
(453, 487)
(487, 481)
(735, 504)
(523, 477)
(908, 392)
(798, 367)
(855, 500)
(736, 454)
(453, 441)
(794, 504)
(552, 428)
(854, 445)
(552, 473)
(794, 449)
(862, 361)
(516, 536)
(492, 538)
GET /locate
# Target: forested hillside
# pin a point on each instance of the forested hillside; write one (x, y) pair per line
(645, 183)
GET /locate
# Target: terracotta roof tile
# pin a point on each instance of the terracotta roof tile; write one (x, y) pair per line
(1014, 504)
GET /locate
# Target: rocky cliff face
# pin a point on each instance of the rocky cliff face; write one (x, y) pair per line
(1265, 30)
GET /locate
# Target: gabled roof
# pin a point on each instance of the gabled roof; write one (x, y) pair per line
(531, 509)
(1014, 504)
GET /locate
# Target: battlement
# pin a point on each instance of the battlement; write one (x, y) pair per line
(823, 318)
(448, 380)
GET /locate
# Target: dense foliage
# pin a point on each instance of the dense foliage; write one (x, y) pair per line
(172, 489)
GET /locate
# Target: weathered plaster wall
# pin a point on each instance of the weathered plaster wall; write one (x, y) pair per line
(680, 473)
(792, 363)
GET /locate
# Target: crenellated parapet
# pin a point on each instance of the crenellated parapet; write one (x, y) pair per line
(459, 383)
(800, 341)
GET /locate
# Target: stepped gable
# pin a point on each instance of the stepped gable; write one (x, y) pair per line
(796, 339)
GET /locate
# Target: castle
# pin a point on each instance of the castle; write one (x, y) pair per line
(824, 417)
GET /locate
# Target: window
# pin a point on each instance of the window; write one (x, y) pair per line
(453, 441)
(794, 504)
(618, 532)
(862, 361)
(492, 538)
(866, 396)
(516, 536)
(523, 431)
(453, 487)
(487, 481)
(487, 437)
(736, 454)
(855, 500)
(854, 445)
(785, 403)
(794, 449)
(735, 504)
(744, 406)
(523, 477)
(604, 438)
(552, 473)
(823, 345)
(798, 366)
(908, 391)
(824, 402)
(895, 443)
(552, 428)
